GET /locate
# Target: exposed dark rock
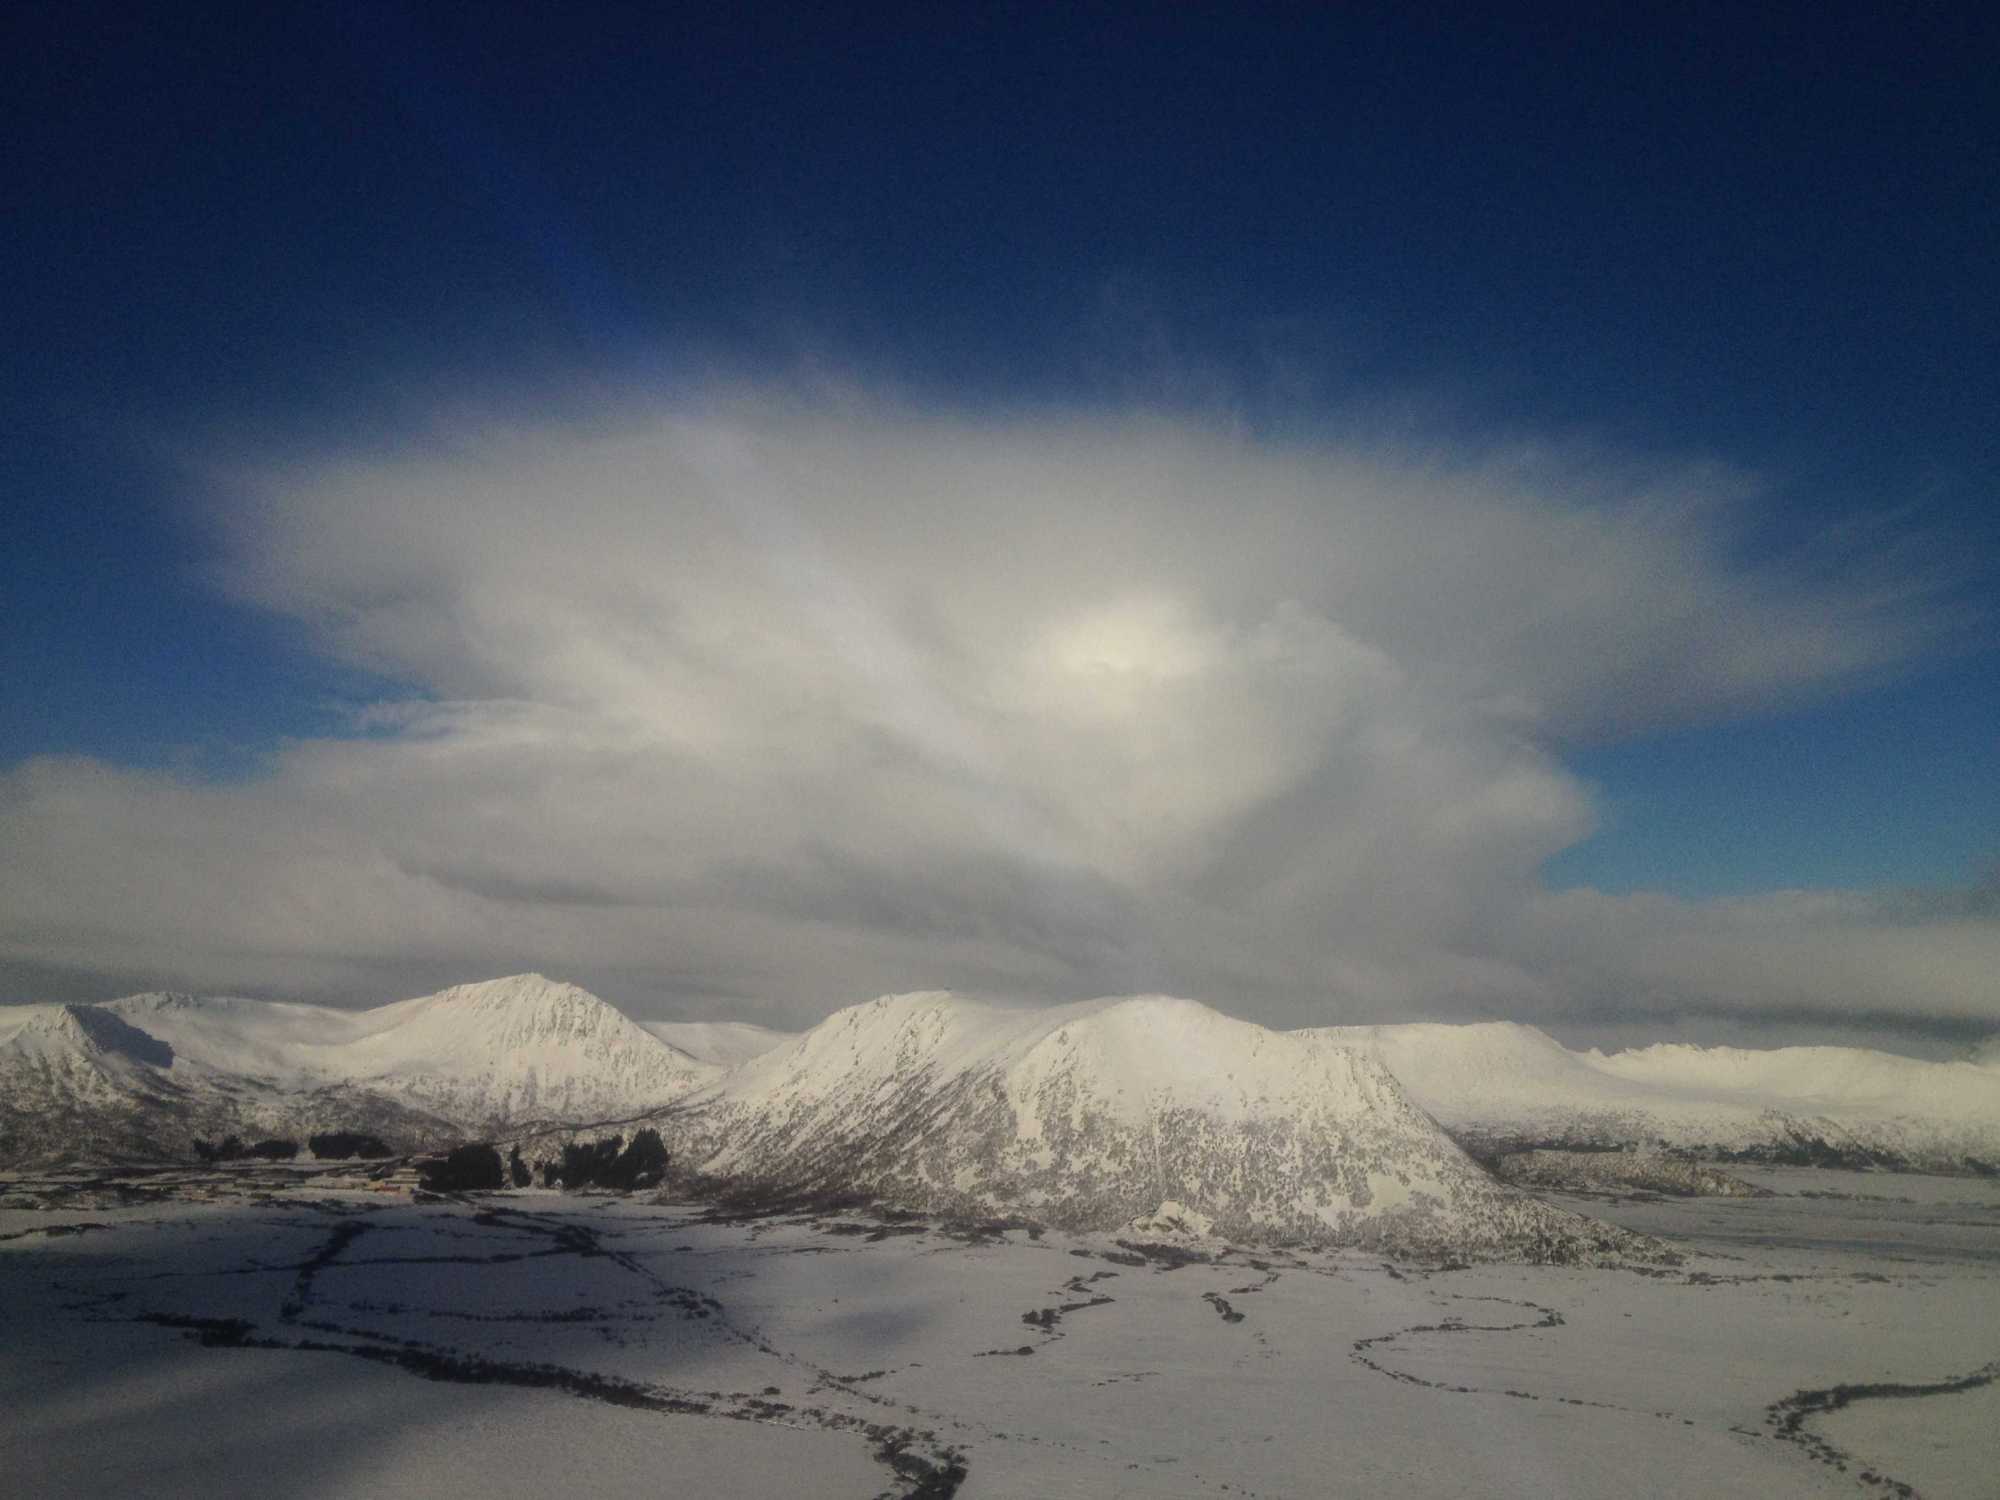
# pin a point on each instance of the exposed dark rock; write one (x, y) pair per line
(111, 1032)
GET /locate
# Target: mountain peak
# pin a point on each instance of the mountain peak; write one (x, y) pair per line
(1094, 1114)
(542, 1005)
(515, 990)
(92, 1030)
(520, 1047)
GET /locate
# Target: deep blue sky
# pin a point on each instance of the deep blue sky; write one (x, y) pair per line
(1692, 231)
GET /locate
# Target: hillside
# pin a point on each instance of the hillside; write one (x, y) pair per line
(1091, 1116)
(484, 1055)
(146, 1075)
(79, 1083)
(1499, 1086)
(726, 1044)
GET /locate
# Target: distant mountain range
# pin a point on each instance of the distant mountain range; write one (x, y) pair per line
(1086, 1116)
(1499, 1086)
(1093, 1116)
(147, 1075)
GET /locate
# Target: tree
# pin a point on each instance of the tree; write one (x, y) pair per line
(471, 1168)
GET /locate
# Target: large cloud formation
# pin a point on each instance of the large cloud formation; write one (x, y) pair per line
(764, 705)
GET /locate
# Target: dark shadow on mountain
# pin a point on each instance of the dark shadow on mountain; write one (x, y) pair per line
(110, 1032)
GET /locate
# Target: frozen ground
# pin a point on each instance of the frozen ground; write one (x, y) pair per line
(291, 1339)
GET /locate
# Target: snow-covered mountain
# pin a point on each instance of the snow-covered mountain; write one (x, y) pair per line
(80, 1083)
(498, 1053)
(148, 1074)
(723, 1043)
(1088, 1116)
(1091, 1116)
(1497, 1085)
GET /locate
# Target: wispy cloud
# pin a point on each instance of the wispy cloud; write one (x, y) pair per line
(813, 700)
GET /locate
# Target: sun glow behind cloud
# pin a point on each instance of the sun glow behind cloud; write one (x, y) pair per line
(759, 698)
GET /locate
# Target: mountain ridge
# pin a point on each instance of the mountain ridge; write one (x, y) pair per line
(1505, 1085)
(1073, 1113)
(148, 1074)
(1093, 1115)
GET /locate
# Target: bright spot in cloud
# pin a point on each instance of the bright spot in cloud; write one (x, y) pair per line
(762, 703)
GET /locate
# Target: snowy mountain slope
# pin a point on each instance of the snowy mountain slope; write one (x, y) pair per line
(1497, 1084)
(271, 1040)
(1083, 1114)
(483, 1055)
(1090, 1116)
(726, 1044)
(80, 1083)
(518, 1049)
(146, 1075)
(1847, 1077)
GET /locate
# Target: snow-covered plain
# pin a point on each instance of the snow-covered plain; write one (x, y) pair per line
(276, 1339)
(1125, 1247)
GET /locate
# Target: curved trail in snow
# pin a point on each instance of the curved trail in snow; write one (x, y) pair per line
(1789, 1416)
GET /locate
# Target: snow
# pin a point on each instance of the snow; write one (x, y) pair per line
(1501, 1083)
(147, 1075)
(518, 1049)
(1927, 1438)
(1248, 1373)
(1087, 1114)
(513, 1049)
(726, 1044)
(1091, 1115)
(114, 1411)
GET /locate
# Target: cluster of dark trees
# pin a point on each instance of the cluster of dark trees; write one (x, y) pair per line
(612, 1163)
(233, 1149)
(339, 1145)
(331, 1145)
(604, 1164)
(471, 1168)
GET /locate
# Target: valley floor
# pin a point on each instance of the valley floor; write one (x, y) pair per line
(257, 1331)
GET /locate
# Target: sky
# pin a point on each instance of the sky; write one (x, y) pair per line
(1349, 517)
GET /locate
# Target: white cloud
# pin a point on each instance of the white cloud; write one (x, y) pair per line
(801, 703)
